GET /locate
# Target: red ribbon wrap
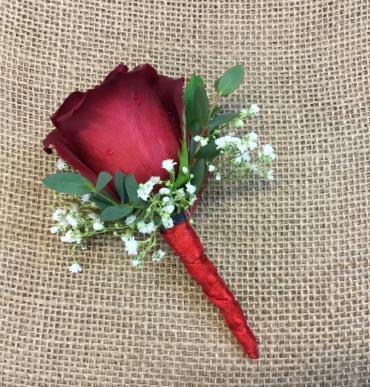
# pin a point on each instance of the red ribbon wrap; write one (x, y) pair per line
(186, 244)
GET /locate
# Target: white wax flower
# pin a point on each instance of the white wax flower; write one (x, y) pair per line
(268, 150)
(254, 109)
(165, 191)
(98, 225)
(75, 268)
(169, 208)
(130, 219)
(146, 228)
(158, 255)
(61, 165)
(136, 262)
(190, 188)
(202, 140)
(59, 214)
(211, 168)
(168, 165)
(85, 198)
(131, 245)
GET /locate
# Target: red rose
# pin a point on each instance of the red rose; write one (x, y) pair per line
(131, 122)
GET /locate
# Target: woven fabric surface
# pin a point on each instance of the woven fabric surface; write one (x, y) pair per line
(294, 252)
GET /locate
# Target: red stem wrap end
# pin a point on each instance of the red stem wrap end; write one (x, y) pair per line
(187, 246)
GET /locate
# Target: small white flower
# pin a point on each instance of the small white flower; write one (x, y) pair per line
(218, 177)
(54, 229)
(158, 255)
(169, 208)
(146, 228)
(166, 199)
(190, 188)
(136, 262)
(211, 168)
(98, 225)
(145, 189)
(202, 140)
(71, 237)
(269, 175)
(75, 268)
(185, 170)
(71, 219)
(252, 136)
(254, 109)
(85, 198)
(226, 141)
(130, 219)
(93, 216)
(167, 222)
(131, 245)
(168, 165)
(239, 124)
(59, 214)
(268, 150)
(61, 165)
(180, 194)
(165, 191)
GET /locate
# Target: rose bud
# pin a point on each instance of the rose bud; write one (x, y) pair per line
(131, 122)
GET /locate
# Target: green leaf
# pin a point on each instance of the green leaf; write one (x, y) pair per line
(201, 106)
(100, 201)
(132, 186)
(184, 162)
(103, 179)
(199, 171)
(119, 184)
(189, 103)
(115, 212)
(221, 120)
(208, 152)
(68, 182)
(229, 81)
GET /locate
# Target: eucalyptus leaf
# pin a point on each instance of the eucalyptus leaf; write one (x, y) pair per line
(119, 184)
(115, 212)
(103, 179)
(189, 103)
(208, 152)
(201, 106)
(68, 182)
(132, 186)
(100, 201)
(221, 120)
(229, 81)
(199, 171)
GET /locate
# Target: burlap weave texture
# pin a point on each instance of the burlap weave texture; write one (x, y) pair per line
(296, 252)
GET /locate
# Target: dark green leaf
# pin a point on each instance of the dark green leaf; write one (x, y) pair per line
(100, 202)
(131, 186)
(201, 106)
(230, 80)
(115, 212)
(221, 120)
(199, 172)
(208, 152)
(184, 162)
(68, 182)
(189, 102)
(119, 184)
(103, 179)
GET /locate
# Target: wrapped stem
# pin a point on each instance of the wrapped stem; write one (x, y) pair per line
(185, 243)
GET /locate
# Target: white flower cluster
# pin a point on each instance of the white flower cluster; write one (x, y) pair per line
(245, 152)
(75, 225)
(161, 206)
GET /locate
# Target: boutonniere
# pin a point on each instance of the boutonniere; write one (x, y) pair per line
(135, 154)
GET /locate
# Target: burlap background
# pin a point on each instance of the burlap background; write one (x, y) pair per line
(295, 253)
